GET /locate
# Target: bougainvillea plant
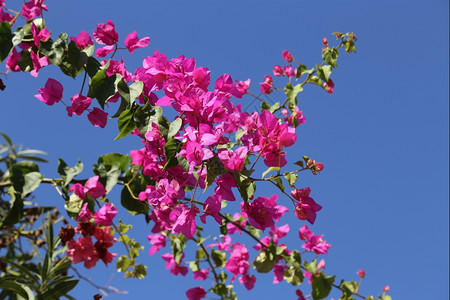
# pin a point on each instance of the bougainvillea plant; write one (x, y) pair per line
(210, 144)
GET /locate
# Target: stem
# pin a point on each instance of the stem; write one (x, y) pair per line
(208, 259)
(103, 289)
(84, 80)
(243, 229)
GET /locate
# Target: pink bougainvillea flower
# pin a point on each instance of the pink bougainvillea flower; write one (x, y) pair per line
(316, 244)
(38, 63)
(329, 86)
(79, 104)
(132, 42)
(196, 293)
(238, 261)
(105, 34)
(102, 52)
(85, 214)
(201, 274)
(386, 289)
(212, 208)
(98, 117)
(184, 219)
(105, 215)
(39, 35)
(278, 70)
(306, 207)
(233, 161)
(32, 9)
(94, 187)
(361, 273)
(242, 86)
(83, 40)
(289, 71)
(266, 86)
(171, 264)
(158, 241)
(287, 56)
(278, 273)
(82, 251)
(51, 93)
(5, 17)
(305, 233)
(11, 61)
(248, 281)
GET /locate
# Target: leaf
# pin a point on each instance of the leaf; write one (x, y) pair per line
(92, 66)
(6, 37)
(140, 271)
(279, 183)
(13, 286)
(60, 289)
(74, 61)
(67, 173)
(303, 70)
(126, 123)
(133, 206)
(55, 51)
(111, 159)
(218, 257)
(270, 170)
(291, 93)
(293, 275)
(25, 63)
(321, 285)
(324, 72)
(32, 181)
(291, 178)
(170, 150)
(122, 263)
(7, 139)
(266, 259)
(104, 87)
(174, 127)
(330, 56)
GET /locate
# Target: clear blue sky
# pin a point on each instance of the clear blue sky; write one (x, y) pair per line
(383, 134)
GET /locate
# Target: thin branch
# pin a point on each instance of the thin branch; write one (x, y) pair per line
(103, 289)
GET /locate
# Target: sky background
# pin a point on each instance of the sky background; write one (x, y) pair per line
(382, 136)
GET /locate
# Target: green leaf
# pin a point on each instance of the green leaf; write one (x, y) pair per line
(279, 183)
(270, 170)
(122, 263)
(19, 34)
(60, 289)
(74, 61)
(55, 51)
(350, 46)
(13, 286)
(92, 66)
(291, 93)
(293, 275)
(348, 288)
(311, 267)
(126, 123)
(266, 259)
(25, 63)
(67, 173)
(6, 37)
(321, 286)
(104, 87)
(32, 181)
(299, 163)
(291, 178)
(170, 150)
(218, 257)
(330, 56)
(133, 206)
(178, 245)
(112, 159)
(324, 72)
(141, 271)
(174, 127)
(303, 70)
(28, 166)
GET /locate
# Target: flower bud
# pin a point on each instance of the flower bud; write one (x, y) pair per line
(386, 289)
(361, 273)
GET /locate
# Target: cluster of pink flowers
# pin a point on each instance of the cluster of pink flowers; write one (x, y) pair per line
(314, 243)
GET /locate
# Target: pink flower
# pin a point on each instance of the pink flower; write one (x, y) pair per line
(83, 40)
(201, 274)
(233, 162)
(306, 207)
(32, 9)
(102, 52)
(105, 215)
(106, 34)
(196, 293)
(79, 104)
(278, 273)
(289, 71)
(242, 86)
(329, 86)
(94, 188)
(386, 289)
(51, 93)
(98, 117)
(158, 241)
(132, 42)
(238, 261)
(11, 62)
(287, 56)
(278, 70)
(266, 86)
(316, 244)
(212, 208)
(361, 273)
(262, 212)
(38, 63)
(5, 17)
(184, 220)
(175, 268)
(82, 250)
(305, 233)
(248, 281)
(39, 35)
(85, 214)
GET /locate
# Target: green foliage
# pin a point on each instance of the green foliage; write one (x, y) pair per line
(5, 40)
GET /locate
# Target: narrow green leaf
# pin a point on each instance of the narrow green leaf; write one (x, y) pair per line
(170, 150)
(126, 123)
(13, 286)
(6, 37)
(270, 170)
(174, 127)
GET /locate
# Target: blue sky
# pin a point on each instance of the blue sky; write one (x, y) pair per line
(383, 134)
